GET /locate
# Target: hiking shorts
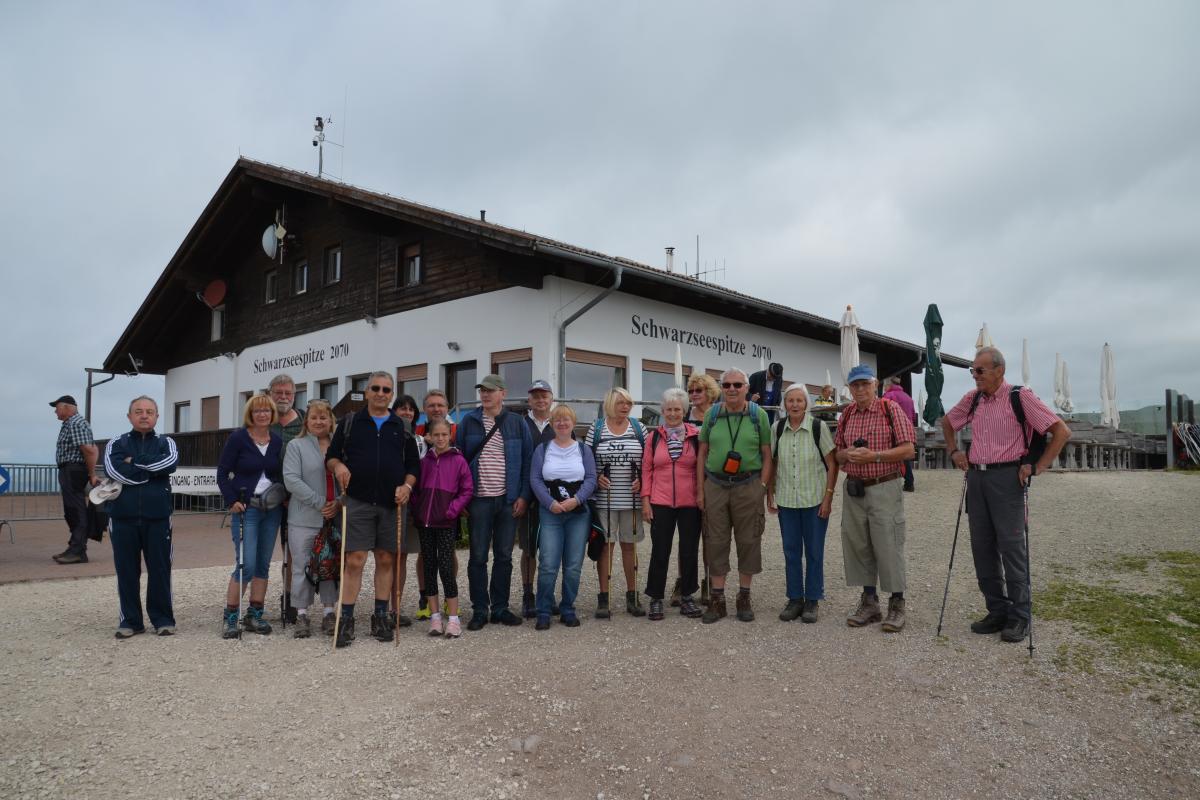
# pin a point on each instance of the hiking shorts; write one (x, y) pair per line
(370, 527)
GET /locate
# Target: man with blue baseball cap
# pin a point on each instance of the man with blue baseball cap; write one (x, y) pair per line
(874, 439)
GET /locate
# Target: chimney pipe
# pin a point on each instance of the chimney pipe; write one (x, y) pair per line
(670, 259)
(483, 215)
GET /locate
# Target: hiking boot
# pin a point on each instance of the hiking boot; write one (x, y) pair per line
(602, 611)
(716, 609)
(810, 611)
(453, 629)
(328, 623)
(478, 620)
(230, 629)
(254, 622)
(423, 611)
(437, 627)
(570, 620)
(744, 612)
(345, 632)
(633, 605)
(543, 623)
(688, 607)
(528, 607)
(71, 558)
(895, 616)
(792, 610)
(1014, 631)
(867, 611)
(656, 610)
(303, 627)
(507, 617)
(381, 626)
(677, 593)
(994, 622)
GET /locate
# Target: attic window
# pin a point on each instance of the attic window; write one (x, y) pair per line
(217, 329)
(409, 266)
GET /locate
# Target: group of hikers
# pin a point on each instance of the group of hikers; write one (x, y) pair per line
(376, 482)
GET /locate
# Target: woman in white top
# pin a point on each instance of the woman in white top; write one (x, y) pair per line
(618, 442)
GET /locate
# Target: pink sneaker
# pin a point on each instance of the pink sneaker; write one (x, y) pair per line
(453, 629)
(435, 627)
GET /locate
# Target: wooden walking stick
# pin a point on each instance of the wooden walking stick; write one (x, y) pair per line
(396, 576)
(337, 624)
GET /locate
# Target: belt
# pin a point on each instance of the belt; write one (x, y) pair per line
(71, 465)
(732, 480)
(877, 481)
(998, 465)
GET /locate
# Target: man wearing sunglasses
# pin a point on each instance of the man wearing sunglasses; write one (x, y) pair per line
(733, 467)
(375, 461)
(998, 470)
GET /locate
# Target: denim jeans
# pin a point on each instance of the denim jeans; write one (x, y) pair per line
(492, 528)
(261, 528)
(561, 543)
(803, 552)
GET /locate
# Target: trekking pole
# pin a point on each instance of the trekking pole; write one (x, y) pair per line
(241, 565)
(285, 598)
(953, 546)
(637, 525)
(337, 620)
(608, 532)
(396, 576)
(1028, 561)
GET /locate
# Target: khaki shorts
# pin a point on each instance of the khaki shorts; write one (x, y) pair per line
(739, 510)
(369, 527)
(621, 525)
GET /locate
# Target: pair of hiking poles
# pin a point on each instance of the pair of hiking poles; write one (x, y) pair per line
(1028, 569)
(637, 526)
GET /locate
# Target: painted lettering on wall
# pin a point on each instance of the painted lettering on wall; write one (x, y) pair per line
(312, 355)
(722, 344)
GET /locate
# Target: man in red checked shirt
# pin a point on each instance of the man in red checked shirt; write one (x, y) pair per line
(998, 470)
(874, 439)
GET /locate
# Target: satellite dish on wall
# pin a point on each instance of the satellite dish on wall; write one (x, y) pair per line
(214, 293)
(270, 244)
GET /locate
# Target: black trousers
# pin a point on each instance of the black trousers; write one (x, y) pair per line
(996, 512)
(132, 541)
(662, 533)
(73, 483)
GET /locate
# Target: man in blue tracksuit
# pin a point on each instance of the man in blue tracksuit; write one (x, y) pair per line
(141, 461)
(497, 445)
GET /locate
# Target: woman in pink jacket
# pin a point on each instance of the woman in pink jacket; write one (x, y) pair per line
(669, 494)
(443, 490)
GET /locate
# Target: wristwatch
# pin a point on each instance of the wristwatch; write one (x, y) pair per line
(878, 458)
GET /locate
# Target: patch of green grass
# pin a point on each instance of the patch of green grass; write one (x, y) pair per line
(1152, 635)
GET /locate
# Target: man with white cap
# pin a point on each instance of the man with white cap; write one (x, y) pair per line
(75, 453)
(537, 419)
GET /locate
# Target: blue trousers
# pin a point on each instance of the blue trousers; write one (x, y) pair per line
(492, 528)
(803, 552)
(562, 542)
(133, 540)
(261, 529)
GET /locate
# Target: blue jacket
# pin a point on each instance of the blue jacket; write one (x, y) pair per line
(379, 459)
(518, 450)
(144, 479)
(241, 464)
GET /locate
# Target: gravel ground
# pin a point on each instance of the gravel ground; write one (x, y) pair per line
(619, 709)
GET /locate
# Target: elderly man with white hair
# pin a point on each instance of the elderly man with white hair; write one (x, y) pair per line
(734, 467)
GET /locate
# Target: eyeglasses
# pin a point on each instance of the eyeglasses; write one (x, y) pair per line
(732, 385)
(978, 370)
(382, 389)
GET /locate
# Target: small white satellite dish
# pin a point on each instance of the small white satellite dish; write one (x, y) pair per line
(270, 244)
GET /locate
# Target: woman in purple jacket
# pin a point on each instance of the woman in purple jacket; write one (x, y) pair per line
(443, 492)
(563, 477)
(250, 476)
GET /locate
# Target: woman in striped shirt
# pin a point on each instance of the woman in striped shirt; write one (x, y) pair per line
(617, 442)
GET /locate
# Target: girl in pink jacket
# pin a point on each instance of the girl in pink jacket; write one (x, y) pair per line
(669, 495)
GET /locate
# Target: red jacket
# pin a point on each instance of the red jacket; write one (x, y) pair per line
(666, 482)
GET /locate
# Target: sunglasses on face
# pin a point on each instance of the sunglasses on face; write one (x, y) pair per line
(381, 389)
(696, 390)
(978, 370)
(732, 385)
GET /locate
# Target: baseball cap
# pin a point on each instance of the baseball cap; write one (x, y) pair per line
(541, 386)
(862, 372)
(491, 382)
(66, 398)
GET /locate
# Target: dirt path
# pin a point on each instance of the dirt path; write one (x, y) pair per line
(626, 708)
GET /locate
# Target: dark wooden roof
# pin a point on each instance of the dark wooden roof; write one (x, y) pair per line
(230, 202)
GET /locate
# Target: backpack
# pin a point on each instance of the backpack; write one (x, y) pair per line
(323, 560)
(656, 435)
(753, 410)
(1035, 445)
(816, 432)
(638, 430)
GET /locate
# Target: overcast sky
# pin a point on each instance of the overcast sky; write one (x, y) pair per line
(1033, 166)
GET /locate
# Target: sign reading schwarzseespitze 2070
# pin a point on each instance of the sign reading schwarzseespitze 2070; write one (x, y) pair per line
(312, 355)
(722, 344)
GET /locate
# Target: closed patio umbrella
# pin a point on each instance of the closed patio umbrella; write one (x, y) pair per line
(984, 339)
(850, 356)
(1025, 371)
(932, 409)
(678, 367)
(1108, 389)
(1062, 385)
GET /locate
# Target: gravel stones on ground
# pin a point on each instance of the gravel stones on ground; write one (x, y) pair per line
(625, 708)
